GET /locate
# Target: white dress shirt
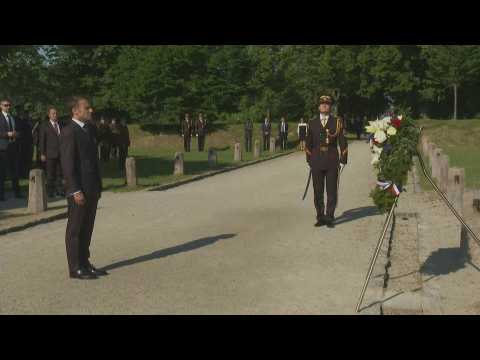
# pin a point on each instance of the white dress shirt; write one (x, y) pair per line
(81, 124)
(55, 126)
(8, 116)
(324, 119)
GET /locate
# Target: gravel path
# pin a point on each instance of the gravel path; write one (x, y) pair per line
(237, 243)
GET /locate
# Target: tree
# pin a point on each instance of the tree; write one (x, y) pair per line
(450, 66)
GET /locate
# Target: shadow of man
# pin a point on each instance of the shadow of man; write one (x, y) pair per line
(190, 246)
(357, 214)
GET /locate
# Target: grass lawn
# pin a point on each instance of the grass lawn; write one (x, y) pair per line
(460, 140)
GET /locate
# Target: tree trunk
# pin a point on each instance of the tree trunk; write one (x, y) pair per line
(455, 102)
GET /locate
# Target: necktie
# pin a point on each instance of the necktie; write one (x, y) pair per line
(10, 125)
(57, 129)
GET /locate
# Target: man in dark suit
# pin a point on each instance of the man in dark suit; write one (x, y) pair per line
(9, 149)
(187, 133)
(283, 133)
(201, 130)
(50, 153)
(79, 158)
(266, 131)
(124, 144)
(324, 137)
(248, 135)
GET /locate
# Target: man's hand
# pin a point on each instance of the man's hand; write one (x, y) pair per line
(79, 199)
(11, 134)
(43, 158)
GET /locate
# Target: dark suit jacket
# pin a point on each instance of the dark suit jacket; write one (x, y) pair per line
(317, 139)
(49, 140)
(187, 128)
(266, 129)
(79, 160)
(4, 130)
(201, 128)
(280, 128)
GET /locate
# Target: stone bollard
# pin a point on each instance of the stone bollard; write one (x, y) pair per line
(256, 149)
(435, 161)
(424, 145)
(37, 192)
(273, 143)
(131, 172)
(212, 158)
(237, 156)
(431, 149)
(444, 163)
(178, 164)
(455, 191)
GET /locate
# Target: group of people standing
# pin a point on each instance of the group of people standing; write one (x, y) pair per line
(266, 133)
(190, 128)
(113, 141)
(19, 137)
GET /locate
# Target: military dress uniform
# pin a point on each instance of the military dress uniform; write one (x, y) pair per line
(325, 135)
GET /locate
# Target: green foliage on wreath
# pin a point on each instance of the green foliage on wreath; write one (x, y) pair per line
(395, 164)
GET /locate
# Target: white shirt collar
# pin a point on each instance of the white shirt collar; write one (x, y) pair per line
(79, 123)
(5, 114)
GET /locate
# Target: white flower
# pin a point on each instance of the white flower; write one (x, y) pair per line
(380, 137)
(400, 117)
(385, 123)
(391, 131)
(373, 127)
(378, 150)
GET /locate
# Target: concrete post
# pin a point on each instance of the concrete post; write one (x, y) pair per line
(431, 149)
(273, 143)
(237, 156)
(178, 165)
(37, 192)
(212, 158)
(424, 145)
(435, 161)
(256, 149)
(455, 191)
(444, 163)
(131, 172)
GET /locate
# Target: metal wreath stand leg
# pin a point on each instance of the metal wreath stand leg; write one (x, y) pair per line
(389, 219)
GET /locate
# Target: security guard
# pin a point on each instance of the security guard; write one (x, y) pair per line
(325, 135)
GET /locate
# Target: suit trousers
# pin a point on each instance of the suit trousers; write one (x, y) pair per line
(54, 175)
(248, 141)
(122, 156)
(266, 142)
(328, 177)
(186, 143)
(201, 143)
(9, 163)
(284, 140)
(78, 237)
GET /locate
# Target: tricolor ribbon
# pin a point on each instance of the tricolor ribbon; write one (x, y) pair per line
(389, 185)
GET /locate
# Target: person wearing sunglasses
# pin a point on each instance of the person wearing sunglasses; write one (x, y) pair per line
(9, 149)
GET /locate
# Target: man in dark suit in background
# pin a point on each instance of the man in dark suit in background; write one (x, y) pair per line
(79, 158)
(201, 130)
(9, 149)
(325, 135)
(283, 133)
(266, 131)
(50, 153)
(124, 144)
(187, 133)
(248, 135)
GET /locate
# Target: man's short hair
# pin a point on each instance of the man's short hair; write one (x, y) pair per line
(50, 108)
(5, 99)
(74, 101)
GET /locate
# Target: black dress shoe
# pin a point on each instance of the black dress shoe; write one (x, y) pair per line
(330, 222)
(93, 270)
(83, 275)
(320, 223)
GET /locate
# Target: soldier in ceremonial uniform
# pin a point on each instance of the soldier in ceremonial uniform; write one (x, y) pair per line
(325, 135)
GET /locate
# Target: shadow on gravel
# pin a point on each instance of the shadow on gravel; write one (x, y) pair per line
(190, 246)
(357, 214)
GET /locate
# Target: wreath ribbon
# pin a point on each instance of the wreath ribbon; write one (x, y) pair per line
(390, 186)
